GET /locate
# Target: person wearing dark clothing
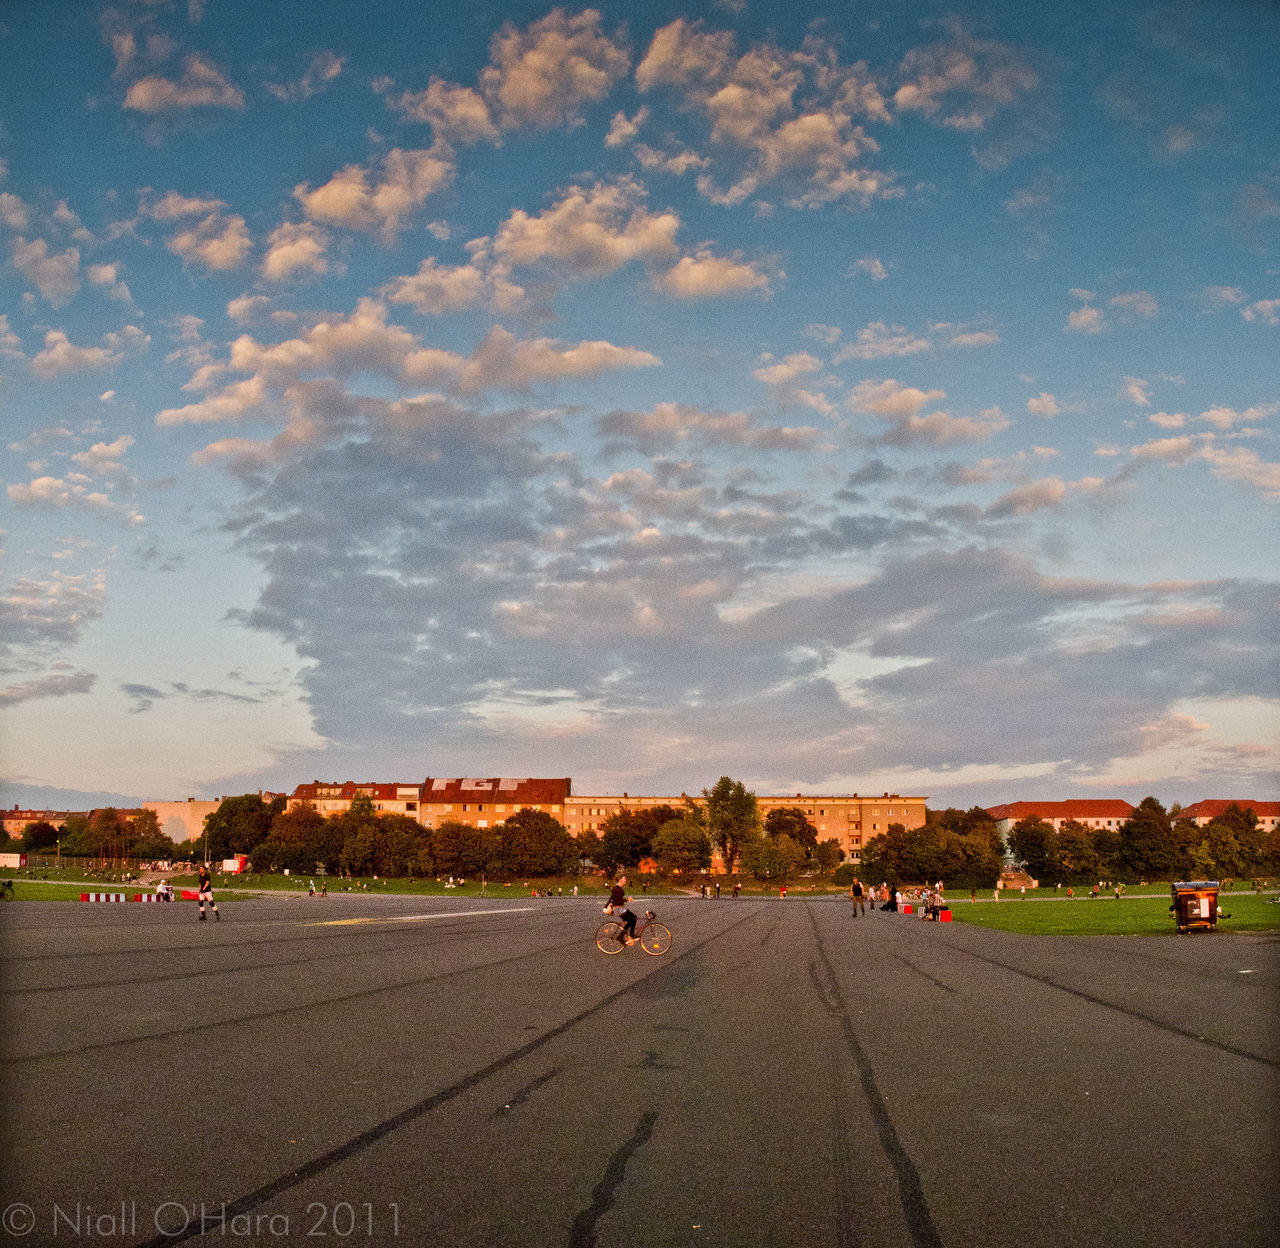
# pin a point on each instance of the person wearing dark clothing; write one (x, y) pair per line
(618, 907)
(856, 896)
(205, 893)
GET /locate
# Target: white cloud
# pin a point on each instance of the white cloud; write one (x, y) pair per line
(380, 197)
(964, 83)
(590, 231)
(1135, 390)
(1025, 499)
(294, 249)
(107, 276)
(880, 341)
(668, 424)
(1264, 310)
(202, 85)
(547, 73)
(456, 114)
(872, 267)
(705, 275)
(1043, 405)
(323, 69)
(623, 129)
(55, 684)
(56, 275)
(61, 356)
(788, 370)
(1139, 303)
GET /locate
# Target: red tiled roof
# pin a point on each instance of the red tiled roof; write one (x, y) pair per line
(349, 790)
(1212, 807)
(1071, 808)
(524, 791)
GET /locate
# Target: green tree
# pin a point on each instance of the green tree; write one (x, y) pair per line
(1078, 853)
(772, 857)
(791, 821)
(1148, 850)
(1035, 845)
(147, 840)
(238, 825)
(732, 818)
(39, 835)
(461, 849)
(828, 855)
(682, 845)
(532, 842)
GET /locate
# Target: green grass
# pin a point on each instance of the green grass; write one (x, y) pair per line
(52, 890)
(1140, 916)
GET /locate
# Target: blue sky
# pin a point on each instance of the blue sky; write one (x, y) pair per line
(884, 400)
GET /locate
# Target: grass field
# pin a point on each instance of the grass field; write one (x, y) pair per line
(1132, 916)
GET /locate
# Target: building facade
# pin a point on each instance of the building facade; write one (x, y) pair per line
(1203, 812)
(483, 802)
(1092, 812)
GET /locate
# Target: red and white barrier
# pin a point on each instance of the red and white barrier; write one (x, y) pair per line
(103, 897)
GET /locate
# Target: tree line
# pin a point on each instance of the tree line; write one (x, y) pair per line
(962, 848)
(1152, 844)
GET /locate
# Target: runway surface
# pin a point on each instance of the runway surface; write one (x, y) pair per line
(468, 1072)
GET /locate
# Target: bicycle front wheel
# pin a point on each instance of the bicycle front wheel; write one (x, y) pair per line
(655, 939)
(609, 937)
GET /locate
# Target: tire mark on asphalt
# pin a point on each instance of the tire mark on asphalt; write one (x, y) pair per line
(582, 1234)
(1141, 1015)
(915, 1209)
(320, 1003)
(134, 951)
(523, 1094)
(919, 971)
(410, 1114)
(447, 938)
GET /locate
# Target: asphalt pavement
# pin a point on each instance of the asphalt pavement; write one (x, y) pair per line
(456, 1072)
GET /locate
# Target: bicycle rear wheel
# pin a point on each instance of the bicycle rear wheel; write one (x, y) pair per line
(655, 939)
(608, 937)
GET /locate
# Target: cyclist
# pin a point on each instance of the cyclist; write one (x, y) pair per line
(618, 907)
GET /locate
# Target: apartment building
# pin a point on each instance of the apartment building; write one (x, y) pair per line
(1092, 812)
(1201, 813)
(482, 802)
(850, 819)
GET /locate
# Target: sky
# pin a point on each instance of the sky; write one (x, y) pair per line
(842, 398)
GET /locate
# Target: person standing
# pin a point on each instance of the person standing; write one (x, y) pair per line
(857, 896)
(205, 893)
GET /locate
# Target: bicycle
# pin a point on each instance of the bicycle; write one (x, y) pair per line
(6, 890)
(654, 938)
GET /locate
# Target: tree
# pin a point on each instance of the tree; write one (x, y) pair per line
(238, 825)
(532, 842)
(828, 855)
(791, 821)
(1078, 852)
(39, 835)
(1035, 844)
(461, 849)
(732, 818)
(1147, 847)
(682, 845)
(297, 826)
(772, 857)
(622, 843)
(146, 838)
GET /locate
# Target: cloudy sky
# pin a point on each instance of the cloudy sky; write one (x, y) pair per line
(640, 393)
